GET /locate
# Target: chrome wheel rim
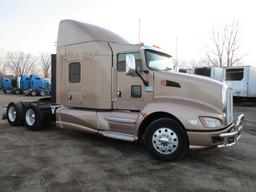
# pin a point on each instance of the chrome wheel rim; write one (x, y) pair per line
(42, 93)
(165, 140)
(12, 114)
(30, 117)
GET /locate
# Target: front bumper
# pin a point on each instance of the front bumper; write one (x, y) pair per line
(232, 137)
(223, 138)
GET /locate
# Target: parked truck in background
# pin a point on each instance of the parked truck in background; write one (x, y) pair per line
(29, 85)
(6, 85)
(104, 85)
(37, 86)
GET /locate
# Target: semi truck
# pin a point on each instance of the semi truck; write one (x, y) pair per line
(104, 85)
(6, 85)
(29, 85)
(37, 86)
(10, 85)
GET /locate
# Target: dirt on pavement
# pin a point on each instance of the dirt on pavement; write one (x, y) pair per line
(55, 160)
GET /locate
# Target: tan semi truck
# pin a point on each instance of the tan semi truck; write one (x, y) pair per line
(104, 85)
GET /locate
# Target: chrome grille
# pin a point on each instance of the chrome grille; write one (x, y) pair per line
(229, 107)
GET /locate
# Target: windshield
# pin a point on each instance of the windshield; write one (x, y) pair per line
(159, 61)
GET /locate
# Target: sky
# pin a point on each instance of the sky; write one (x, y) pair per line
(174, 25)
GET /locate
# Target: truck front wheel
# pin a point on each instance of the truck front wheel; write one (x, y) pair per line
(166, 139)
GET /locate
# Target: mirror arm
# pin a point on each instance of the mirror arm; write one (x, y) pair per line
(144, 81)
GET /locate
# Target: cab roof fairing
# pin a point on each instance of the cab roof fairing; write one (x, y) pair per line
(74, 32)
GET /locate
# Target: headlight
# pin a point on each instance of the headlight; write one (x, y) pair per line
(210, 122)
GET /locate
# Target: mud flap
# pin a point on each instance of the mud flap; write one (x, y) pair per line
(4, 112)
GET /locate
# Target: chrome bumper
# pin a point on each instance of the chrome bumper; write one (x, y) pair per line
(4, 112)
(232, 137)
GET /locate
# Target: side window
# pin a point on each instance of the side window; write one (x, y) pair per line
(121, 61)
(234, 74)
(136, 91)
(74, 72)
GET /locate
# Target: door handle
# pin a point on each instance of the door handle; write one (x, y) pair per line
(70, 97)
(119, 93)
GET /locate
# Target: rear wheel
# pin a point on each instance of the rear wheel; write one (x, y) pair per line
(36, 118)
(17, 92)
(42, 93)
(8, 91)
(166, 139)
(33, 93)
(15, 114)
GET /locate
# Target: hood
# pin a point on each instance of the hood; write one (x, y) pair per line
(189, 88)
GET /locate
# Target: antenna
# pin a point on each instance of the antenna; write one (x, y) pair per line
(176, 50)
(139, 29)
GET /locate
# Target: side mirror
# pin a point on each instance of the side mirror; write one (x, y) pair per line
(130, 64)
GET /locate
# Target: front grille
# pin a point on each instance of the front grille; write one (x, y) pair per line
(229, 109)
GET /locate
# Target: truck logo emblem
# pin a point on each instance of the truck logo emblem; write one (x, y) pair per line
(163, 83)
(193, 122)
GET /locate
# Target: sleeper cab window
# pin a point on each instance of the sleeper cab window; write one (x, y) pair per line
(121, 61)
(74, 72)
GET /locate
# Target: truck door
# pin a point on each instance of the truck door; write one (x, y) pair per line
(74, 83)
(130, 91)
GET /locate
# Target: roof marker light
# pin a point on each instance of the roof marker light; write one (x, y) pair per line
(156, 46)
(141, 43)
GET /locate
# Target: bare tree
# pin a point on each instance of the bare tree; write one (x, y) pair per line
(21, 63)
(46, 64)
(199, 62)
(223, 49)
(3, 64)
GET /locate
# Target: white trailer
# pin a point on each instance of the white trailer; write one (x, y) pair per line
(188, 71)
(242, 80)
(212, 72)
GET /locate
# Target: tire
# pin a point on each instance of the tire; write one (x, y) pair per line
(8, 91)
(15, 113)
(33, 93)
(35, 118)
(166, 139)
(25, 106)
(26, 93)
(17, 92)
(42, 93)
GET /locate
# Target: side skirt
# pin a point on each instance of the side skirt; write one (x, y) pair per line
(119, 136)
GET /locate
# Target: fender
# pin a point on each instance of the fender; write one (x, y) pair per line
(187, 111)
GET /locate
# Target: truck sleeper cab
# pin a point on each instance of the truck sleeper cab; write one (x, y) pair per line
(107, 86)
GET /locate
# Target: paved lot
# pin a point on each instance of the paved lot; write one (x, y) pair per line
(56, 160)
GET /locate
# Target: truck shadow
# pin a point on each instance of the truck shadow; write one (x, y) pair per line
(133, 150)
